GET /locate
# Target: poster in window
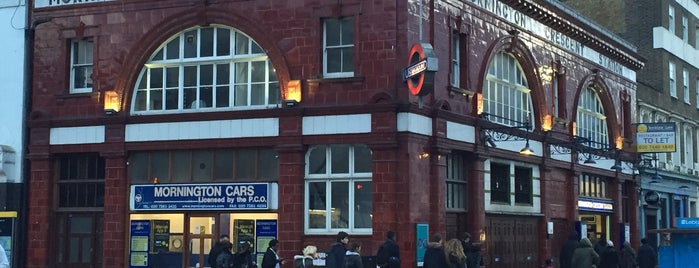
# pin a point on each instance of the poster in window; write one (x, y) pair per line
(244, 232)
(161, 236)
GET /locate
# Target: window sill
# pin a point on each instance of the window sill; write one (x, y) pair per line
(76, 95)
(352, 79)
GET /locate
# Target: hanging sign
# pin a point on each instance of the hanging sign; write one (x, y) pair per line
(422, 65)
(655, 137)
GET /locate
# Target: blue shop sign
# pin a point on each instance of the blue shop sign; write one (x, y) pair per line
(687, 223)
(223, 196)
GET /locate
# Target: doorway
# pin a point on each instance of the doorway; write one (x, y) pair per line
(201, 235)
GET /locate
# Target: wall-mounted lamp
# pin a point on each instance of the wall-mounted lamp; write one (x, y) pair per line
(423, 155)
(293, 93)
(111, 102)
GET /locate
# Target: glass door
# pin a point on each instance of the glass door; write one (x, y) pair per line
(201, 236)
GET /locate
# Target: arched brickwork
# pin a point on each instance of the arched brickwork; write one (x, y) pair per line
(596, 81)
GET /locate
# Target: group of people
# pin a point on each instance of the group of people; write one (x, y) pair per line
(453, 253)
(582, 254)
(343, 254)
(221, 255)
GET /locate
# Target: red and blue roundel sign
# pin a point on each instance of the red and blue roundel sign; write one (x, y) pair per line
(422, 64)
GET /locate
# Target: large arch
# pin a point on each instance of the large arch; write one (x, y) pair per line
(595, 80)
(153, 39)
(513, 45)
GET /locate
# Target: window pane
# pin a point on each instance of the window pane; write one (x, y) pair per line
(156, 78)
(181, 164)
(222, 96)
(316, 204)
(273, 94)
(74, 249)
(222, 74)
(256, 48)
(86, 249)
(362, 200)
(499, 183)
(223, 42)
(206, 97)
(190, 98)
(347, 32)
(257, 94)
(83, 77)
(172, 77)
(523, 185)
(334, 61)
(258, 71)
(241, 72)
(156, 99)
(340, 205)
(268, 164)
(159, 166)
(223, 164)
(245, 164)
(362, 159)
(173, 49)
(241, 95)
(316, 160)
(172, 101)
(340, 159)
(190, 76)
(202, 166)
(206, 74)
(207, 42)
(332, 32)
(138, 167)
(80, 224)
(241, 44)
(190, 44)
(347, 63)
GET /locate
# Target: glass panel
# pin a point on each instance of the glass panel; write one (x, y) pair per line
(206, 97)
(190, 98)
(347, 63)
(206, 74)
(245, 164)
(258, 71)
(347, 32)
(172, 99)
(83, 77)
(222, 74)
(190, 76)
(272, 74)
(273, 94)
(333, 60)
(173, 49)
(316, 160)
(241, 95)
(190, 44)
(158, 55)
(332, 32)
(172, 77)
(362, 159)
(223, 164)
(74, 249)
(159, 167)
(256, 48)
(316, 204)
(80, 224)
(268, 164)
(241, 44)
(223, 96)
(156, 77)
(181, 164)
(223, 42)
(257, 94)
(202, 165)
(86, 249)
(207, 42)
(138, 167)
(340, 159)
(340, 205)
(362, 201)
(156, 99)
(241, 72)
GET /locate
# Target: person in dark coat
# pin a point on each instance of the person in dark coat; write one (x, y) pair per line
(217, 249)
(389, 251)
(610, 257)
(224, 258)
(434, 255)
(271, 259)
(628, 256)
(646, 255)
(352, 257)
(601, 245)
(472, 251)
(243, 258)
(454, 253)
(336, 256)
(584, 256)
(566, 255)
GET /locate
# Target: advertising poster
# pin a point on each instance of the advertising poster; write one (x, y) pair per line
(140, 236)
(161, 236)
(244, 232)
(266, 231)
(7, 219)
(422, 231)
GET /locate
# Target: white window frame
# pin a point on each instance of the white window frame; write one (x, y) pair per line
(344, 44)
(455, 60)
(671, 19)
(688, 147)
(83, 49)
(673, 79)
(352, 178)
(697, 93)
(505, 89)
(591, 119)
(685, 85)
(457, 194)
(511, 205)
(240, 86)
(685, 29)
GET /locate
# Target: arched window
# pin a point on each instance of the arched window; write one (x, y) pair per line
(506, 92)
(338, 189)
(202, 69)
(591, 121)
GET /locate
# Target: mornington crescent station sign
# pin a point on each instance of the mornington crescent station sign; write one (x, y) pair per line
(61, 3)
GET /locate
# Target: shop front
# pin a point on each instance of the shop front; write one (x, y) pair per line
(595, 218)
(175, 225)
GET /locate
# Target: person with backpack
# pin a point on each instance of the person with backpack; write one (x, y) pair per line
(225, 258)
(217, 249)
(352, 257)
(310, 253)
(388, 255)
(336, 256)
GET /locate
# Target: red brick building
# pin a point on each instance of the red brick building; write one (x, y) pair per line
(157, 126)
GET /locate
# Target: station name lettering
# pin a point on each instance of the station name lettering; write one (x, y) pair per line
(56, 3)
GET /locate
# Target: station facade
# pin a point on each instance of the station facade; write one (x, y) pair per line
(155, 127)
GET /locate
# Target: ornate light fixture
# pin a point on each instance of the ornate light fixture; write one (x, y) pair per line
(494, 132)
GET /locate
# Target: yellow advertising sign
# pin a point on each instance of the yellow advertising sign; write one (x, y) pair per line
(656, 137)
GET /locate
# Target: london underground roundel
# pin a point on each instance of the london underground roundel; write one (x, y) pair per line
(422, 64)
